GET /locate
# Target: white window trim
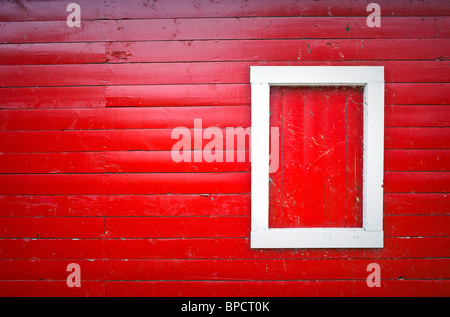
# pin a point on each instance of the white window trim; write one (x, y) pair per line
(371, 233)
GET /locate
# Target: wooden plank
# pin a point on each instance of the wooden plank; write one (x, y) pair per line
(198, 72)
(51, 75)
(229, 72)
(406, 226)
(416, 182)
(278, 50)
(165, 117)
(185, 95)
(125, 205)
(417, 94)
(209, 248)
(377, 49)
(239, 94)
(217, 29)
(417, 204)
(442, 24)
(160, 140)
(124, 118)
(103, 140)
(209, 51)
(257, 269)
(52, 97)
(142, 183)
(173, 227)
(346, 288)
(417, 138)
(185, 227)
(59, 53)
(179, 95)
(286, 50)
(116, 162)
(417, 116)
(52, 227)
(417, 160)
(415, 71)
(55, 194)
(209, 227)
(163, 227)
(56, 10)
(162, 161)
(51, 289)
(71, 162)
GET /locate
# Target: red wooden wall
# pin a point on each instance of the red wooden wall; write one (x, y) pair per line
(86, 172)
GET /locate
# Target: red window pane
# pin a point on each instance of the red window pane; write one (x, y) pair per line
(319, 179)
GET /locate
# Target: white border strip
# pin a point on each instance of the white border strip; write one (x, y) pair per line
(371, 234)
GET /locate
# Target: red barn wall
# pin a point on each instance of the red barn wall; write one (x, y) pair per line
(86, 172)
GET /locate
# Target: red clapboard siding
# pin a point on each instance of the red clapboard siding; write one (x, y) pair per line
(58, 53)
(326, 288)
(52, 97)
(165, 117)
(160, 140)
(186, 95)
(172, 227)
(417, 160)
(101, 140)
(194, 73)
(51, 289)
(421, 204)
(417, 116)
(205, 227)
(123, 118)
(185, 205)
(239, 94)
(51, 227)
(222, 28)
(117, 162)
(443, 26)
(430, 226)
(186, 183)
(177, 95)
(56, 10)
(161, 161)
(125, 205)
(262, 269)
(209, 248)
(420, 182)
(72, 162)
(417, 94)
(86, 169)
(153, 183)
(417, 138)
(286, 50)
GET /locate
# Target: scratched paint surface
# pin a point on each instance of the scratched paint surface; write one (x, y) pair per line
(86, 174)
(319, 182)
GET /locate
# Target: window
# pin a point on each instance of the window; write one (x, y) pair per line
(370, 234)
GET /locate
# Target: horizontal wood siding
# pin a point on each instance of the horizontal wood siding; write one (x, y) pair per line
(87, 176)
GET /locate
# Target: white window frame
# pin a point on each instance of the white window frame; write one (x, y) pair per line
(371, 233)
